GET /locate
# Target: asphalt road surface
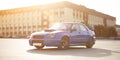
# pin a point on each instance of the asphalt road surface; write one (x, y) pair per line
(19, 49)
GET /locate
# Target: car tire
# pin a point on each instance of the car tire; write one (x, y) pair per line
(39, 47)
(90, 43)
(64, 43)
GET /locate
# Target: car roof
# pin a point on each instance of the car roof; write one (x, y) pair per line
(71, 23)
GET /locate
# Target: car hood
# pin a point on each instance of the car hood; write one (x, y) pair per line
(45, 32)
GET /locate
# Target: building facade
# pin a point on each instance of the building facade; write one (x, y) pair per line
(22, 22)
(118, 30)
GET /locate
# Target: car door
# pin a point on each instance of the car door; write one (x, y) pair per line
(83, 33)
(75, 34)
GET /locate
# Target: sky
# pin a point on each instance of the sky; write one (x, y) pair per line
(110, 7)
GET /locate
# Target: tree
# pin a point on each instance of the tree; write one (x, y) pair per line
(112, 32)
(103, 31)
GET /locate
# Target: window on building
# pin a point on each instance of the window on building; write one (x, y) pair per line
(56, 12)
(61, 12)
(76, 14)
(45, 23)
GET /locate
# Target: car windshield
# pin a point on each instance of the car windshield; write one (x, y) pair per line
(61, 26)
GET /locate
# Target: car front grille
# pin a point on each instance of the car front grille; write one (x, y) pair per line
(37, 41)
(38, 36)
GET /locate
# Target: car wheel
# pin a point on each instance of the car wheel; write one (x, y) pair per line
(39, 47)
(90, 43)
(64, 43)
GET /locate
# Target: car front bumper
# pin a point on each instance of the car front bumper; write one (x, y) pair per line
(45, 42)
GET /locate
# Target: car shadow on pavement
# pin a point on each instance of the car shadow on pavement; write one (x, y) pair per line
(73, 51)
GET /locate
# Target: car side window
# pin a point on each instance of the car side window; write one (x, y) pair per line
(76, 27)
(82, 28)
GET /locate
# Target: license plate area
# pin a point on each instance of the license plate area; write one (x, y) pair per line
(37, 44)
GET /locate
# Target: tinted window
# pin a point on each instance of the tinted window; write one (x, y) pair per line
(82, 28)
(76, 27)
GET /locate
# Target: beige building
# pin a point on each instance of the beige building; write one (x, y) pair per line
(24, 21)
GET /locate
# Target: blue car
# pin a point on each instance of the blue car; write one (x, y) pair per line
(64, 35)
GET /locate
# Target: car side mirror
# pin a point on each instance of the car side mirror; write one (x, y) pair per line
(92, 28)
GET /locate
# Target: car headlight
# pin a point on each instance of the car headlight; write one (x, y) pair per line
(51, 36)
